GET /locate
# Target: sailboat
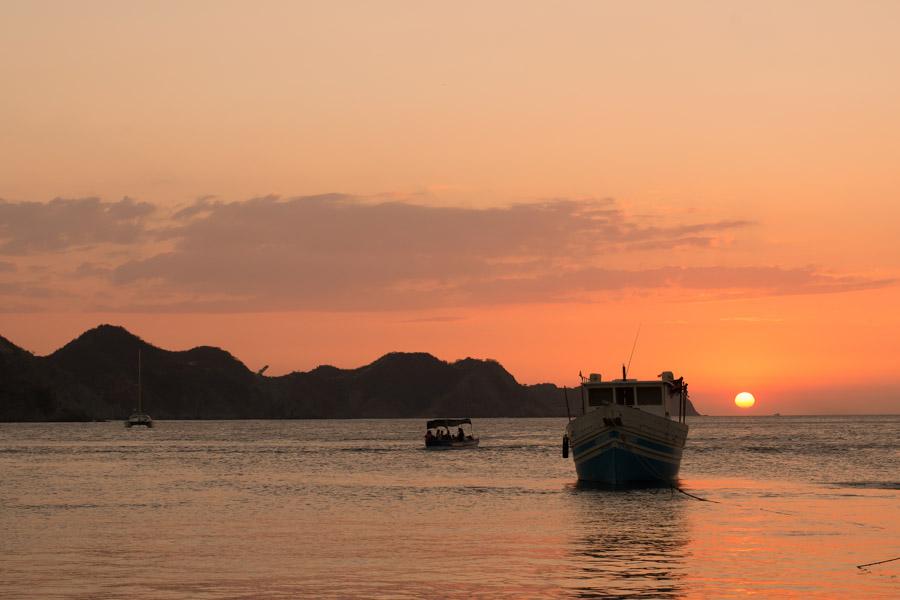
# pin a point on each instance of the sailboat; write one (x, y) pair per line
(139, 417)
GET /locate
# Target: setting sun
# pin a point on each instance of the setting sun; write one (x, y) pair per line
(744, 400)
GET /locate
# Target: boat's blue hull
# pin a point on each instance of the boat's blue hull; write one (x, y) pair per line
(618, 466)
(620, 446)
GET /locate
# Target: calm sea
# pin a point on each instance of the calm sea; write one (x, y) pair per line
(281, 509)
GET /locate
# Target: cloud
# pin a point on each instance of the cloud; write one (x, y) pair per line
(29, 291)
(752, 320)
(338, 252)
(90, 269)
(61, 224)
(437, 319)
(589, 284)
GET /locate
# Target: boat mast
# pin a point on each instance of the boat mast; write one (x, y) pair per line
(630, 356)
(140, 410)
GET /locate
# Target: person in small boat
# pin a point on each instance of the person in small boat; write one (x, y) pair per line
(460, 435)
(429, 437)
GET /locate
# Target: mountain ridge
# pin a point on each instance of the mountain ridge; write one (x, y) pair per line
(94, 376)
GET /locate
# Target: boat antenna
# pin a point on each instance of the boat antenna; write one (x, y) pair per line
(630, 356)
(140, 409)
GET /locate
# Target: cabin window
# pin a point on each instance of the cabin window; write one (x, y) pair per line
(649, 396)
(599, 396)
(625, 396)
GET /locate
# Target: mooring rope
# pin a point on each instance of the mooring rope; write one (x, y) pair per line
(671, 483)
(880, 562)
(675, 487)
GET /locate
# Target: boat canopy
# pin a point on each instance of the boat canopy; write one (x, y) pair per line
(447, 423)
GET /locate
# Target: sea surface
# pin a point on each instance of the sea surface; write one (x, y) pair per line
(333, 509)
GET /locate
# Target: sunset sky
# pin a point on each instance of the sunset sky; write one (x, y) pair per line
(307, 183)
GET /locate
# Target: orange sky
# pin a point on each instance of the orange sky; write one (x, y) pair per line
(306, 183)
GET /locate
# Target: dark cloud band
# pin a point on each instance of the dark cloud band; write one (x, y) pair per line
(336, 252)
(61, 224)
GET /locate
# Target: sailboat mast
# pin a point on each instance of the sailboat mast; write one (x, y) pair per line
(140, 409)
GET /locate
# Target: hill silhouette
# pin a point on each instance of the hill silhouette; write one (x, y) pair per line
(95, 377)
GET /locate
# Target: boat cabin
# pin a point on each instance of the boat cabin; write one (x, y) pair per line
(664, 397)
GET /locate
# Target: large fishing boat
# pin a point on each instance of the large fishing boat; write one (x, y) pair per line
(629, 432)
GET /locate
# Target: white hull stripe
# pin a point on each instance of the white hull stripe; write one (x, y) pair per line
(585, 452)
(630, 449)
(583, 445)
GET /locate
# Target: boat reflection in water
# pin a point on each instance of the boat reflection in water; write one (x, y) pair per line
(631, 544)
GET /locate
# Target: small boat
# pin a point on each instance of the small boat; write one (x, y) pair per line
(438, 434)
(630, 432)
(139, 417)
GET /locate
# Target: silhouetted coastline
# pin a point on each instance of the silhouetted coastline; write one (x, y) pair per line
(94, 377)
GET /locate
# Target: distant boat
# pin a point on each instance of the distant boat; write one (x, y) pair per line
(438, 434)
(139, 417)
(630, 431)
